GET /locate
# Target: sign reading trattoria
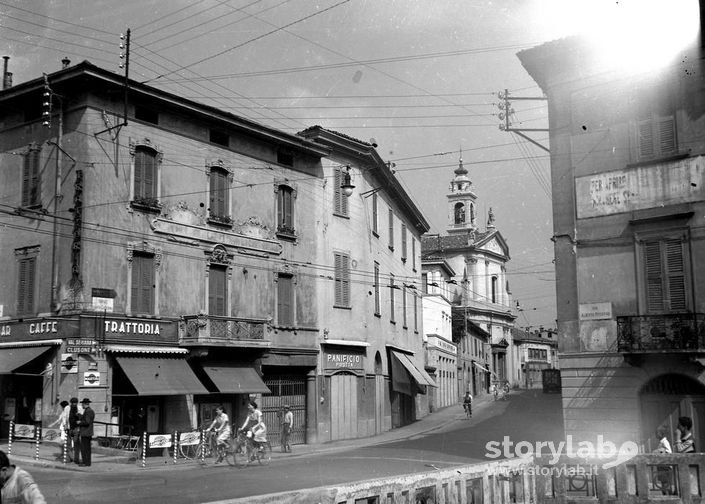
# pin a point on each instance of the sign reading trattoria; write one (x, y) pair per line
(131, 327)
(343, 360)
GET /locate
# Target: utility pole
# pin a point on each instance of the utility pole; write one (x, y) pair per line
(506, 111)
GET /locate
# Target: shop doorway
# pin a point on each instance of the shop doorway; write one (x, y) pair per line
(343, 406)
(286, 390)
(663, 400)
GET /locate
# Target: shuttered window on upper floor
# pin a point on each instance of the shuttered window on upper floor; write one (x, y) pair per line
(665, 275)
(146, 165)
(656, 137)
(342, 280)
(217, 290)
(340, 201)
(142, 295)
(26, 285)
(31, 180)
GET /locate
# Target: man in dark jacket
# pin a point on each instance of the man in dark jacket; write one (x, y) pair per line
(85, 425)
(74, 434)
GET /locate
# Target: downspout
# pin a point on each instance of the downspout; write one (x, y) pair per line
(57, 198)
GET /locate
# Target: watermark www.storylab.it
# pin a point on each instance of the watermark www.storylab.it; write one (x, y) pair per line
(606, 451)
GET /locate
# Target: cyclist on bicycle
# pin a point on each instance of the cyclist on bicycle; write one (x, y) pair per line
(254, 426)
(221, 426)
(467, 403)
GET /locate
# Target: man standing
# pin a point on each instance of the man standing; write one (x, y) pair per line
(85, 425)
(74, 431)
(287, 425)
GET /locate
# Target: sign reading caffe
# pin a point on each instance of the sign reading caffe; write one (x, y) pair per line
(39, 328)
(344, 360)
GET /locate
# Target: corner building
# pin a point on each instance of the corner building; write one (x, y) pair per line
(171, 259)
(628, 185)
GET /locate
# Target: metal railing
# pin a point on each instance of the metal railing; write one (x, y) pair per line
(216, 329)
(653, 333)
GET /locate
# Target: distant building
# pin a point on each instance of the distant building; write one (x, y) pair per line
(534, 351)
(478, 289)
(628, 184)
(441, 351)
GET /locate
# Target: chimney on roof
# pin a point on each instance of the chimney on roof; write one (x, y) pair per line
(65, 62)
(6, 76)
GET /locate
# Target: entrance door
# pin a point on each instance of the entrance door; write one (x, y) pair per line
(666, 398)
(379, 395)
(343, 404)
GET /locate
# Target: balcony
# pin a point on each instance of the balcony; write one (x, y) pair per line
(212, 330)
(683, 332)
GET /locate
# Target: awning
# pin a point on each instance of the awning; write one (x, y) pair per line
(14, 358)
(236, 380)
(160, 376)
(483, 368)
(148, 349)
(421, 376)
(341, 342)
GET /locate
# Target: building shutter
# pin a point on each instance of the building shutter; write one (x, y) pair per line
(25, 291)
(342, 280)
(143, 284)
(149, 175)
(654, 280)
(217, 291)
(646, 139)
(667, 136)
(675, 274)
(219, 193)
(285, 298)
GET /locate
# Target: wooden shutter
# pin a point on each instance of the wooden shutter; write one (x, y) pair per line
(285, 207)
(375, 216)
(342, 280)
(285, 300)
(667, 136)
(377, 299)
(391, 297)
(340, 200)
(30, 178)
(139, 174)
(646, 139)
(675, 274)
(25, 291)
(219, 193)
(391, 228)
(150, 175)
(403, 242)
(142, 284)
(654, 279)
(217, 291)
(26, 181)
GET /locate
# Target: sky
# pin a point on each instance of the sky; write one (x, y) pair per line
(420, 78)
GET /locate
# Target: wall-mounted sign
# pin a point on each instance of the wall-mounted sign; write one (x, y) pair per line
(91, 379)
(103, 304)
(69, 363)
(343, 360)
(595, 311)
(440, 343)
(81, 345)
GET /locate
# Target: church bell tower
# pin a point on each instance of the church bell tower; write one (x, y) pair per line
(462, 209)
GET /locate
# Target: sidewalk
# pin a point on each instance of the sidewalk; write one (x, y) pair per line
(111, 460)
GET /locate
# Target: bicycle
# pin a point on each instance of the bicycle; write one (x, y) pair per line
(246, 450)
(468, 409)
(205, 447)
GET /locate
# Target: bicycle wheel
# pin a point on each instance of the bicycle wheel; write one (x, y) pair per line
(229, 455)
(264, 453)
(188, 451)
(240, 455)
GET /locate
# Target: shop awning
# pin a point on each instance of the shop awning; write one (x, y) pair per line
(236, 380)
(14, 358)
(160, 376)
(421, 376)
(483, 368)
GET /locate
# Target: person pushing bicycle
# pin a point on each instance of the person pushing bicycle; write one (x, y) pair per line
(221, 426)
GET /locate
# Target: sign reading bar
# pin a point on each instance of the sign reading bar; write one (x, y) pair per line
(76, 345)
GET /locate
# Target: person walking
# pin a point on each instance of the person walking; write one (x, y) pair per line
(74, 431)
(684, 442)
(85, 425)
(18, 486)
(287, 426)
(63, 423)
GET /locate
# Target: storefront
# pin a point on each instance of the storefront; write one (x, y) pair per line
(407, 380)
(29, 369)
(343, 366)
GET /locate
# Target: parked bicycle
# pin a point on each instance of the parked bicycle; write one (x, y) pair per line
(203, 449)
(247, 450)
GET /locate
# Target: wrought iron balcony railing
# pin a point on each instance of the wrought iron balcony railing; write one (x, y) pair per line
(658, 333)
(222, 331)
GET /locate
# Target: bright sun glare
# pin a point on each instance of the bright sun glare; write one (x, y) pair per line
(636, 35)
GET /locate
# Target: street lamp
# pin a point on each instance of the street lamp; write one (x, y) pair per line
(347, 185)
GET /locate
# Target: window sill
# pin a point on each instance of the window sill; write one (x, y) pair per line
(287, 235)
(391, 247)
(343, 307)
(224, 221)
(657, 160)
(378, 314)
(342, 216)
(152, 207)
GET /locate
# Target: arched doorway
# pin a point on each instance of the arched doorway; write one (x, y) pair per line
(665, 398)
